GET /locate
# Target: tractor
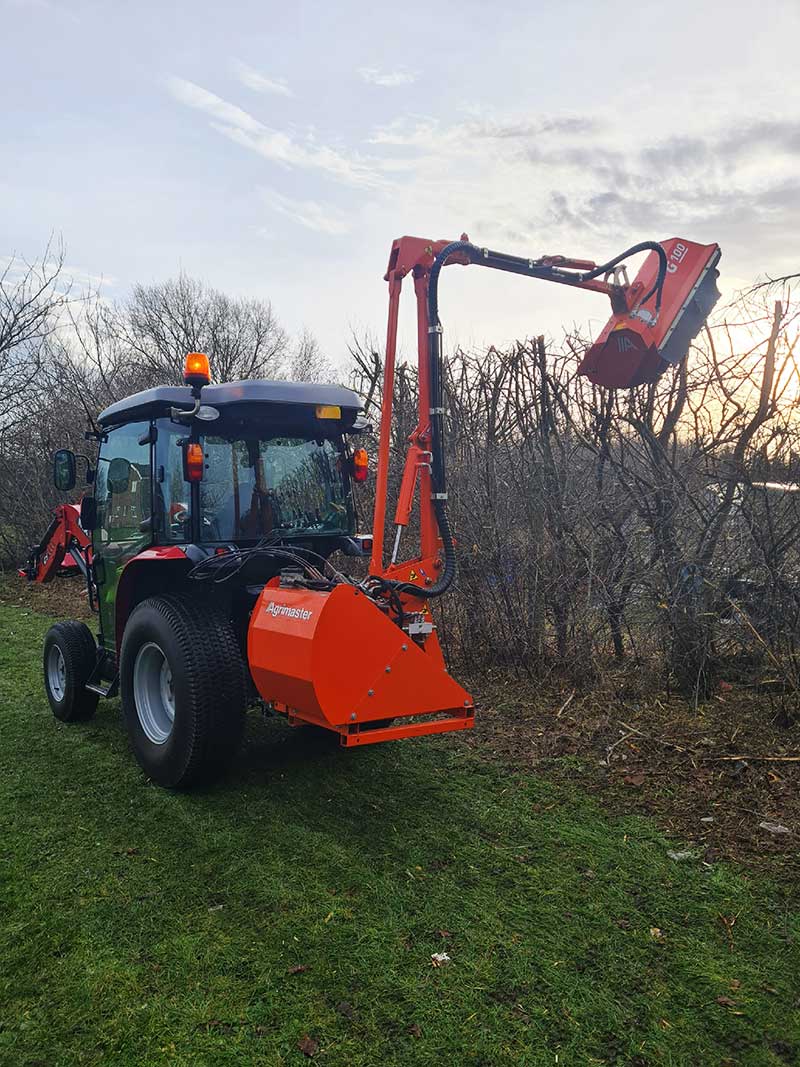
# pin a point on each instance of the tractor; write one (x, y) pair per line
(208, 532)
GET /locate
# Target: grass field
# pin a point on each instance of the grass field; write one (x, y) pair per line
(299, 903)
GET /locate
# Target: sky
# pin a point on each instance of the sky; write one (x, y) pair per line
(275, 150)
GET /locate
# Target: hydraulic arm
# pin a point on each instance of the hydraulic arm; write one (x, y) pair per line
(653, 320)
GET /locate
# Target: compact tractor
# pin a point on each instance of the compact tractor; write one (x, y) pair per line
(214, 512)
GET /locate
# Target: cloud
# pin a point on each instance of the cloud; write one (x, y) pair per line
(243, 129)
(411, 131)
(675, 152)
(529, 128)
(742, 144)
(70, 276)
(388, 79)
(195, 96)
(589, 183)
(785, 196)
(781, 137)
(545, 181)
(750, 222)
(408, 132)
(260, 83)
(322, 218)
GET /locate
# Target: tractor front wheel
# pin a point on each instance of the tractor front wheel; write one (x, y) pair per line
(184, 690)
(70, 654)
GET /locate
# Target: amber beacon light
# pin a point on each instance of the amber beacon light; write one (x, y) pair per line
(196, 371)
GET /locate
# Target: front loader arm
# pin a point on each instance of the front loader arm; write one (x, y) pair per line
(65, 547)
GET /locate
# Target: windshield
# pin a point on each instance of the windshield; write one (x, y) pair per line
(284, 486)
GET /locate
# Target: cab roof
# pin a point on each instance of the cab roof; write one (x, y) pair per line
(276, 398)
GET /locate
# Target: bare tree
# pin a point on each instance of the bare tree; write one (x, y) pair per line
(307, 363)
(162, 322)
(62, 361)
(367, 370)
(32, 299)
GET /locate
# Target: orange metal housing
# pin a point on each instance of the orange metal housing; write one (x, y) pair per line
(336, 660)
(636, 344)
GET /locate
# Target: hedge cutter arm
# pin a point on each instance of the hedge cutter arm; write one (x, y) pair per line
(653, 321)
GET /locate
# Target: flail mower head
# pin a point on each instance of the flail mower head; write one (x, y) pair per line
(641, 340)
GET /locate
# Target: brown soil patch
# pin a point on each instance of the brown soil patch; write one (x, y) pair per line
(63, 598)
(710, 775)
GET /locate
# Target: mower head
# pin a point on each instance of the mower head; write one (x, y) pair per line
(637, 343)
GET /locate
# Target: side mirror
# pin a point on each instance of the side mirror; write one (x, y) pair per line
(88, 513)
(119, 476)
(64, 469)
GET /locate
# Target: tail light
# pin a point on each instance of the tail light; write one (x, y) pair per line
(637, 345)
(360, 465)
(365, 542)
(193, 461)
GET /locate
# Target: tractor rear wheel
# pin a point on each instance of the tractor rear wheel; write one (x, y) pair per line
(184, 690)
(70, 654)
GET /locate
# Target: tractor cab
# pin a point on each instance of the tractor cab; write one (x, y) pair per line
(258, 462)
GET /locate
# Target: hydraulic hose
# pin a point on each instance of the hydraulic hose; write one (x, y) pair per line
(643, 246)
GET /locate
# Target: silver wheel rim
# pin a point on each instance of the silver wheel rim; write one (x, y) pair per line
(56, 673)
(154, 693)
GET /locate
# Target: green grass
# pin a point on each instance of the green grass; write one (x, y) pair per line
(144, 927)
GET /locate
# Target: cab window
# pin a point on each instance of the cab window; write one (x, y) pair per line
(253, 487)
(123, 487)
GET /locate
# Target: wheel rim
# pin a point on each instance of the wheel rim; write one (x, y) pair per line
(56, 673)
(154, 693)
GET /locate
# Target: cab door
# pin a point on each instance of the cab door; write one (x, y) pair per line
(124, 503)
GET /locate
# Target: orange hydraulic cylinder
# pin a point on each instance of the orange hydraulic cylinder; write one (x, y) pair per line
(335, 659)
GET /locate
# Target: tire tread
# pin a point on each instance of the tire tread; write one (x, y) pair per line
(80, 654)
(214, 666)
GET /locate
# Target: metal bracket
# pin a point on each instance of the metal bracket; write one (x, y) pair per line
(436, 411)
(618, 276)
(182, 415)
(435, 329)
(647, 317)
(438, 496)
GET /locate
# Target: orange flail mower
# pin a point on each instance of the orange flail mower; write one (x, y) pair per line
(303, 651)
(209, 535)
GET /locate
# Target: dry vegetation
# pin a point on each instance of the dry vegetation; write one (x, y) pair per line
(657, 528)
